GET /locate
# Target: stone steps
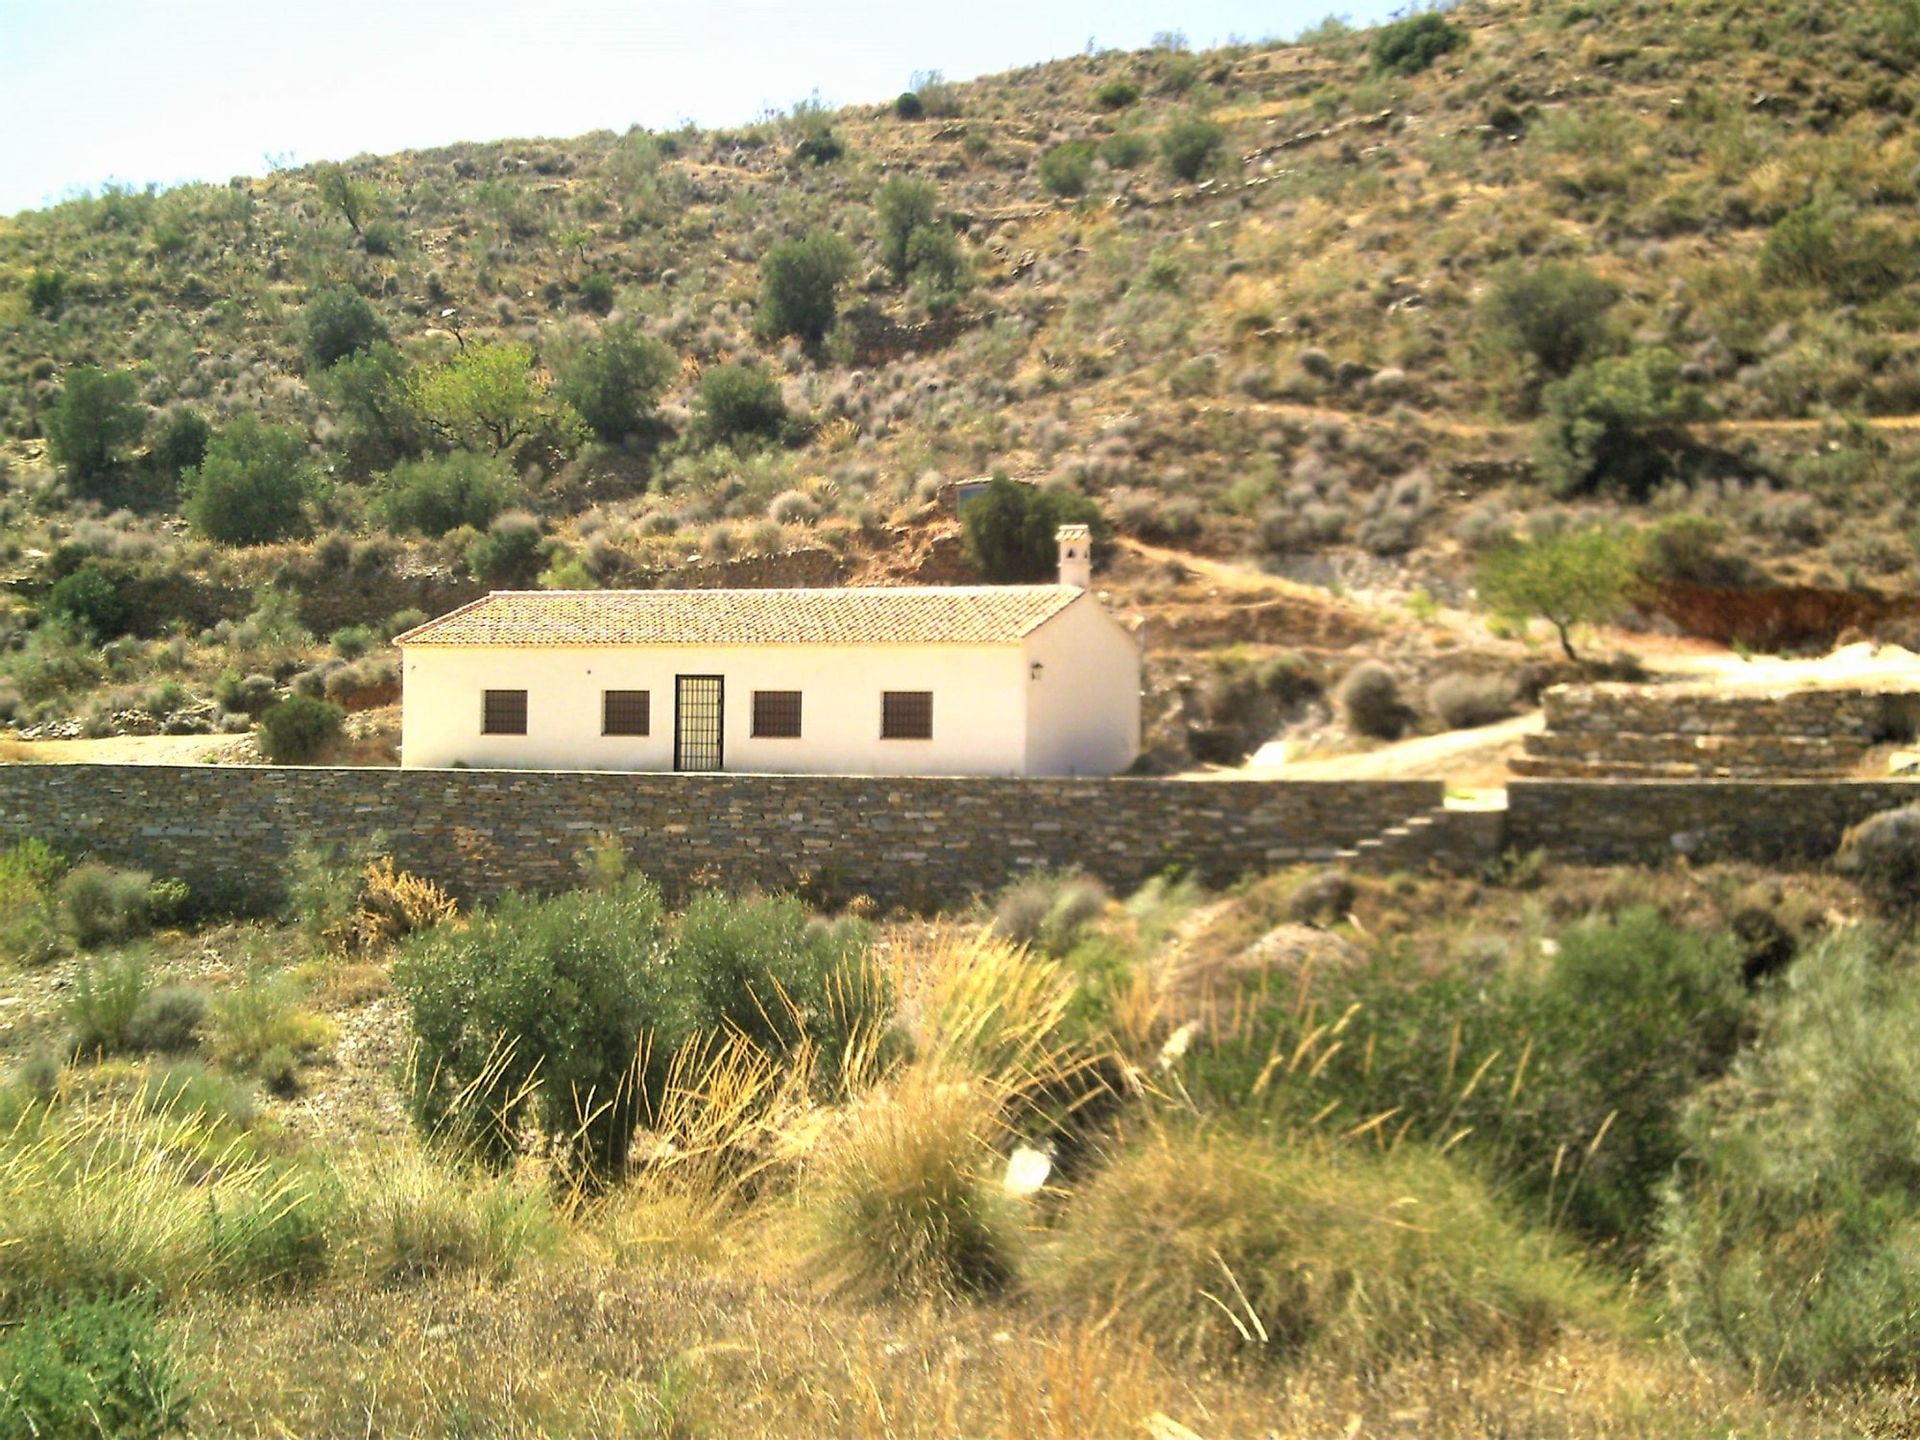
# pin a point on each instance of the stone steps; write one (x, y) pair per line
(1448, 839)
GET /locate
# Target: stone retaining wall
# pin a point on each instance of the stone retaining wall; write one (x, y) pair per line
(1658, 710)
(1612, 822)
(229, 831)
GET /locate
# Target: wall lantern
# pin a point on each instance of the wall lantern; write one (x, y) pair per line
(1036, 668)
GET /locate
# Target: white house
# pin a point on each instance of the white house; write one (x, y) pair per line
(974, 680)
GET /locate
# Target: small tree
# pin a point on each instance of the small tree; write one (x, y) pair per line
(1010, 530)
(1406, 47)
(736, 404)
(253, 485)
(615, 380)
(354, 199)
(336, 323)
(902, 207)
(1616, 424)
(1191, 145)
(370, 391)
(489, 398)
(298, 730)
(1577, 577)
(96, 417)
(179, 446)
(91, 599)
(1554, 314)
(800, 284)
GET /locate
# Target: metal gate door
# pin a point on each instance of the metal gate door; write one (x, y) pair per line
(699, 702)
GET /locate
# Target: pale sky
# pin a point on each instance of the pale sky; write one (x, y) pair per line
(139, 90)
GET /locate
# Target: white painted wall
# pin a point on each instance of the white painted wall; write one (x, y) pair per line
(979, 721)
(1083, 712)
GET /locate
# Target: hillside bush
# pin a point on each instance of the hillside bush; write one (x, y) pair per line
(46, 291)
(907, 106)
(1126, 149)
(902, 206)
(1065, 168)
(1617, 425)
(254, 484)
(1227, 1245)
(420, 1216)
(1466, 702)
(937, 266)
(512, 552)
(246, 694)
(91, 1367)
(30, 931)
(179, 445)
(1788, 1231)
(102, 905)
(335, 323)
(1369, 702)
(438, 493)
(94, 420)
(596, 293)
(489, 397)
(1410, 45)
(1554, 314)
(738, 405)
(262, 1026)
(90, 599)
(370, 394)
(1116, 94)
(615, 381)
(1010, 530)
(1191, 146)
(99, 1008)
(800, 282)
(1882, 855)
(1820, 245)
(298, 729)
(168, 1020)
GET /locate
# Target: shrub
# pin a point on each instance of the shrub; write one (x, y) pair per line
(1882, 855)
(1010, 530)
(907, 106)
(91, 1367)
(902, 206)
(938, 266)
(1224, 1245)
(1412, 44)
(439, 493)
(738, 404)
(180, 445)
(1466, 702)
(1369, 701)
(46, 291)
(247, 694)
(615, 381)
(1554, 314)
(1617, 424)
(1116, 94)
(90, 599)
(1574, 577)
(1820, 246)
(335, 323)
(596, 293)
(371, 394)
(29, 916)
(298, 729)
(800, 284)
(1048, 912)
(102, 905)
(168, 1019)
(92, 422)
(1787, 1234)
(489, 397)
(1126, 149)
(903, 1195)
(1190, 146)
(422, 1217)
(253, 485)
(394, 904)
(511, 553)
(187, 1090)
(253, 1020)
(105, 996)
(1065, 168)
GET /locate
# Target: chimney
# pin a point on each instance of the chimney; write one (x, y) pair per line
(1076, 555)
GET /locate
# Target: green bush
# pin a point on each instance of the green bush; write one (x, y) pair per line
(1882, 855)
(29, 913)
(615, 381)
(739, 405)
(1820, 246)
(1465, 702)
(1788, 1233)
(907, 106)
(91, 600)
(167, 1020)
(1065, 168)
(489, 397)
(511, 553)
(260, 1019)
(46, 292)
(1225, 1245)
(253, 485)
(91, 1368)
(350, 642)
(938, 266)
(100, 1006)
(800, 284)
(1116, 94)
(1010, 530)
(188, 1090)
(536, 1010)
(102, 905)
(438, 493)
(1617, 425)
(596, 293)
(1049, 912)
(298, 729)
(371, 393)
(1369, 701)
(95, 419)
(179, 445)
(1126, 149)
(1410, 45)
(1191, 146)
(335, 323)
(247, 694)
(902, 206)
(1554, 314)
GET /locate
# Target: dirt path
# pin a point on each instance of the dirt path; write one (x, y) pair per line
(1469, 758)
(129, 750)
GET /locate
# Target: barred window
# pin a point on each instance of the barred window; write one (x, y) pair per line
(906, 715)
(626, 712)
(504, 713)
(776, 714)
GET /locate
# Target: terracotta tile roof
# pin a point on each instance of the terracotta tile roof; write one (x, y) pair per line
(970, 615)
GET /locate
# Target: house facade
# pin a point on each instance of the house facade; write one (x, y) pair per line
(990, 680)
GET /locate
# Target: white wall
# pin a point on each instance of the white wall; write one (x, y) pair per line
(979, 725)
(1083, 713)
